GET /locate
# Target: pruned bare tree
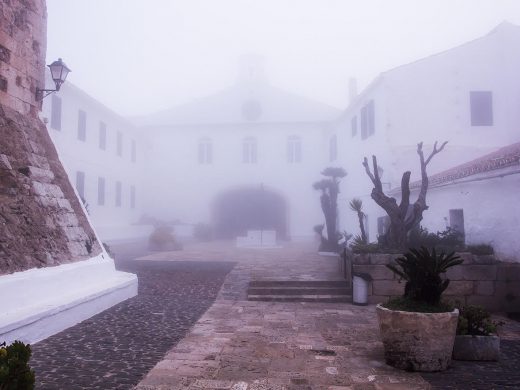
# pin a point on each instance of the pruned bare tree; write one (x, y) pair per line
(329, 188)
(405, 216)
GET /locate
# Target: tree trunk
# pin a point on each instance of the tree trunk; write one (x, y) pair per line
(330, 222)
(401, 220)
(362, 227)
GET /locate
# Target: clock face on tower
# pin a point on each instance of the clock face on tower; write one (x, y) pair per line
(251, 110)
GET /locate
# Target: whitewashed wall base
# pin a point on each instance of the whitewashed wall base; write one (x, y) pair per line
(38, 303)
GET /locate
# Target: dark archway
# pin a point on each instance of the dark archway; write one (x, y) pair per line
(237, 211)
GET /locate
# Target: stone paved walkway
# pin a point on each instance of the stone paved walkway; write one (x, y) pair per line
(238, 344)
(245, 345)
(116, 348)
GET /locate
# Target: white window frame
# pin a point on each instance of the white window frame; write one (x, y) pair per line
(294, 149)
(205, 151)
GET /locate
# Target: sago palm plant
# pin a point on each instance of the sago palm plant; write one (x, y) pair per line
(422, 269)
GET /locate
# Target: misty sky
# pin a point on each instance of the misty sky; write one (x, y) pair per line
(141, 56)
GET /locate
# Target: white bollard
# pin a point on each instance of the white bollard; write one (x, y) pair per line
(360, 290)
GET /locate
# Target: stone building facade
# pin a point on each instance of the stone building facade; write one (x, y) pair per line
(47, 244)
(42, 222)
(23, 30)
(241, 159)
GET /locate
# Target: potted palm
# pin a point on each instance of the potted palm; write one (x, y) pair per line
(418, 329)
(476, 335)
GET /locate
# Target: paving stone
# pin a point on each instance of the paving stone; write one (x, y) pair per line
(292, 345)
(116, 348)
(241, 345)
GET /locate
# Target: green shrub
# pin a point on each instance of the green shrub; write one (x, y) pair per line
(448, 240)
(318, 229)
(476, 321)
(480, 249)
(422, 269)
(359, 245)
(406, 304)
(162, 235)
(162, 238)
(15, 373)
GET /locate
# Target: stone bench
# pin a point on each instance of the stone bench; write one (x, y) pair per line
(38, 303)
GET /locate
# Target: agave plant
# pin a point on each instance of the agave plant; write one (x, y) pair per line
(422, 271)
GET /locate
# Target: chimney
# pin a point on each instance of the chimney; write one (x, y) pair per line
(352, 89)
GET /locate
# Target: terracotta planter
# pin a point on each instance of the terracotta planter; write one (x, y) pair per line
(417, 341)
(477, 348)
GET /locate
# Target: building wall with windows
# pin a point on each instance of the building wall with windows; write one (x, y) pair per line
(479, 199)
(468, 95)
(103, 156)
(251, 135)
(196, 164)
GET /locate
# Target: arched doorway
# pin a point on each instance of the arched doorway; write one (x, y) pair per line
(237, 211)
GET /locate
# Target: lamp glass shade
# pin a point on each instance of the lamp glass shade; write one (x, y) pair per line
(59, 72)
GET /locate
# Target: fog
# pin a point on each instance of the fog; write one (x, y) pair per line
(168, 52)
(229, 111)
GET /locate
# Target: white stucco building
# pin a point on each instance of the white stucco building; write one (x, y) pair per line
(243, 158)
(480, 198)
(468, 95)
(246, 157)
(103, 156)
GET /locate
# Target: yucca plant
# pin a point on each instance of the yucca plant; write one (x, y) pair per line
(422, 269)
(356, 205)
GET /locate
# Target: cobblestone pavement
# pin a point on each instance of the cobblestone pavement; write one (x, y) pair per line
(245, 345)
(237, 344)
(116, 348)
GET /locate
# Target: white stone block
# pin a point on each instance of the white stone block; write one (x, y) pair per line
(38, 303)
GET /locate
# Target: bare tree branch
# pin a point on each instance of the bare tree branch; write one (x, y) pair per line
(378, 183)
(400, 225)
(367, 169)
(405, 193)
(435, 151)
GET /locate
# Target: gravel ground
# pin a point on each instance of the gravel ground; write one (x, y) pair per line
(116, 348)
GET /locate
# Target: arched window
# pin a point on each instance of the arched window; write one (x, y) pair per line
(294, 149)
(205, 151)
(249, 151)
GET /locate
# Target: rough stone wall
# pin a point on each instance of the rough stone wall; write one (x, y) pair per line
(23, 29)
(41, 220)
(481, 280)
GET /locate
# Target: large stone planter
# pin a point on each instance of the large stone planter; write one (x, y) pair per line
(417, 341)
(476, 348)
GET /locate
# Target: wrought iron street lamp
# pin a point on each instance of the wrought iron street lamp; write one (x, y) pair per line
(59, 72)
